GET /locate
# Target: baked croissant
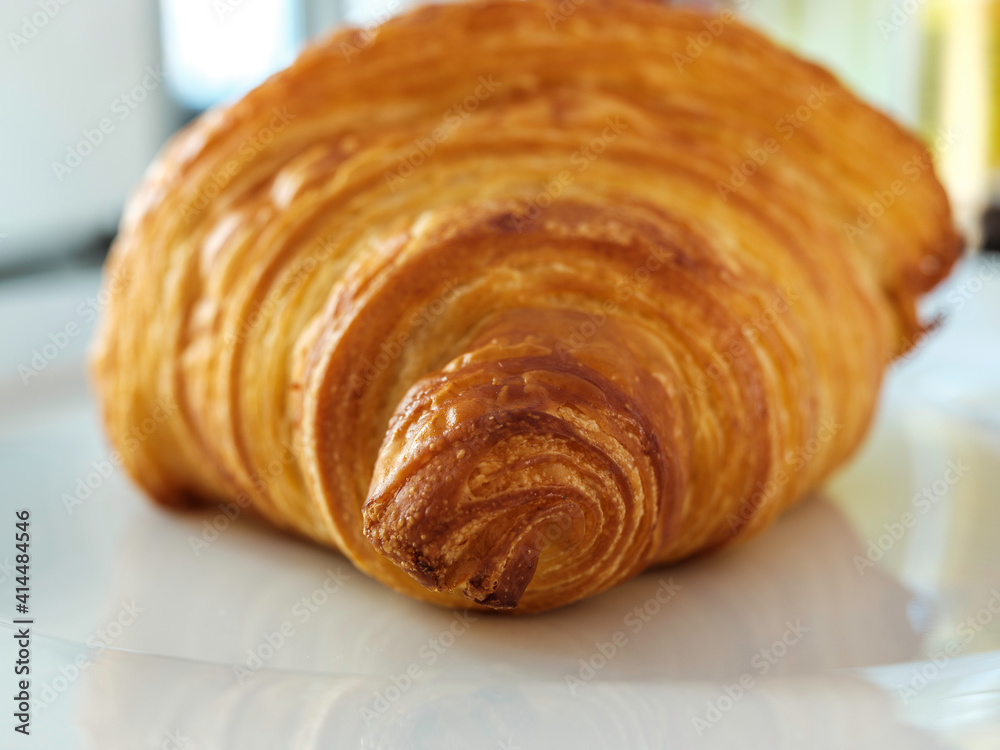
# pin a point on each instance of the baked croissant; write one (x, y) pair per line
(509, 301)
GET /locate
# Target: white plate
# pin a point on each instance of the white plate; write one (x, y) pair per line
(845, 625)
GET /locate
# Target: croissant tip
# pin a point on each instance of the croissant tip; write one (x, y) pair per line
(498, 584)
(495, 602)
(506, 584)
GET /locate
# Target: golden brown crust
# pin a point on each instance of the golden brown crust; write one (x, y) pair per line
(482, 301)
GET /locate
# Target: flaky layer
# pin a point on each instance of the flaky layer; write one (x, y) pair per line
(509, 303)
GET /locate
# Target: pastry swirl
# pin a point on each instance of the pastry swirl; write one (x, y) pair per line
(487, 279)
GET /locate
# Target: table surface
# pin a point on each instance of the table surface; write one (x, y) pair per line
(869, 616)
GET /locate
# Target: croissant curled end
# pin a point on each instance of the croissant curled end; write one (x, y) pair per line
(487, 482)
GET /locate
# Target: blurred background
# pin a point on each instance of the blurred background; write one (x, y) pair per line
(90, 91)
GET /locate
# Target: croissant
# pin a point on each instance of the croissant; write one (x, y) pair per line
(509, 301)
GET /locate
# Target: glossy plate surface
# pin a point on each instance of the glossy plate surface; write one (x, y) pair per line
(867, 617)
